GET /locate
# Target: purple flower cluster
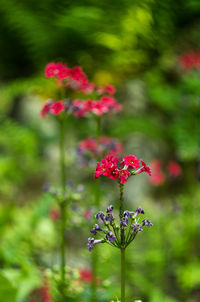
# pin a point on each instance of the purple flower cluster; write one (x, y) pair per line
(129, 225)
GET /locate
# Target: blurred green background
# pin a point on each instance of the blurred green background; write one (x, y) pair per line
(136, 46)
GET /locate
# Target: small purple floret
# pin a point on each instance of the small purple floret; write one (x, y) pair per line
(139, 210)
(110, 236)
(95, 229)
(146, 222)
(90, 243)
(124, 221)
(109, 209)
(109, 218)
(101, 216)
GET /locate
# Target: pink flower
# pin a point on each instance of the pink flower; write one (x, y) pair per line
(190, 60)
(79, 108)
(109, 168)
(85, 275)
(64, 72)
(158, 177)
(174, 169)
(45, 109)
(101, 147)
(100, 89)
(52, 69)
(41, 294)
(57, 107)
(131, 161)
(88, 88)
(123, 175)
(88, 144)
(100, 170)
(107, 89)
(110, 89)
(98, 108)
(144, 168)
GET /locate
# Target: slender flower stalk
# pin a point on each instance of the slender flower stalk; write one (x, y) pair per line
(123, 274)
(62, 124)
(121, 210)
(95, 255)
(122, 234)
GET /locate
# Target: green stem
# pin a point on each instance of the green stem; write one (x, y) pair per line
(121, 210)
(95, 256)
(94, 274)
(98, 128)
(62, 206)
(122, 274)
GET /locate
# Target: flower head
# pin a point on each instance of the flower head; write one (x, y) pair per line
(144, 168)
(109, 167)
(46, 109)
(57, 107)
(174, 169)
(92, 148)
(123, 175)
(131, 161)
(129, 224)
(158, 176)
(85, 275)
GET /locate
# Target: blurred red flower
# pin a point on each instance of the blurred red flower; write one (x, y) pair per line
(158, 176)
(174, 169)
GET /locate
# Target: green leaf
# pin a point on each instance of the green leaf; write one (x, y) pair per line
(8, 291)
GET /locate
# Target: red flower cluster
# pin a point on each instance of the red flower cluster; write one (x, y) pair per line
(97, 107)
(158, 175)
(190, 60)
(107, 89)
(174, 169)
(52, 107)
(109, 167)
(101, 147)
(85, 275)
(41, 294)
(75, 78)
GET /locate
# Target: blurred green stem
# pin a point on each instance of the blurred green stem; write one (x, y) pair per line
(62, 205)
(97, 202)
(122, 274)
(121, 210)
